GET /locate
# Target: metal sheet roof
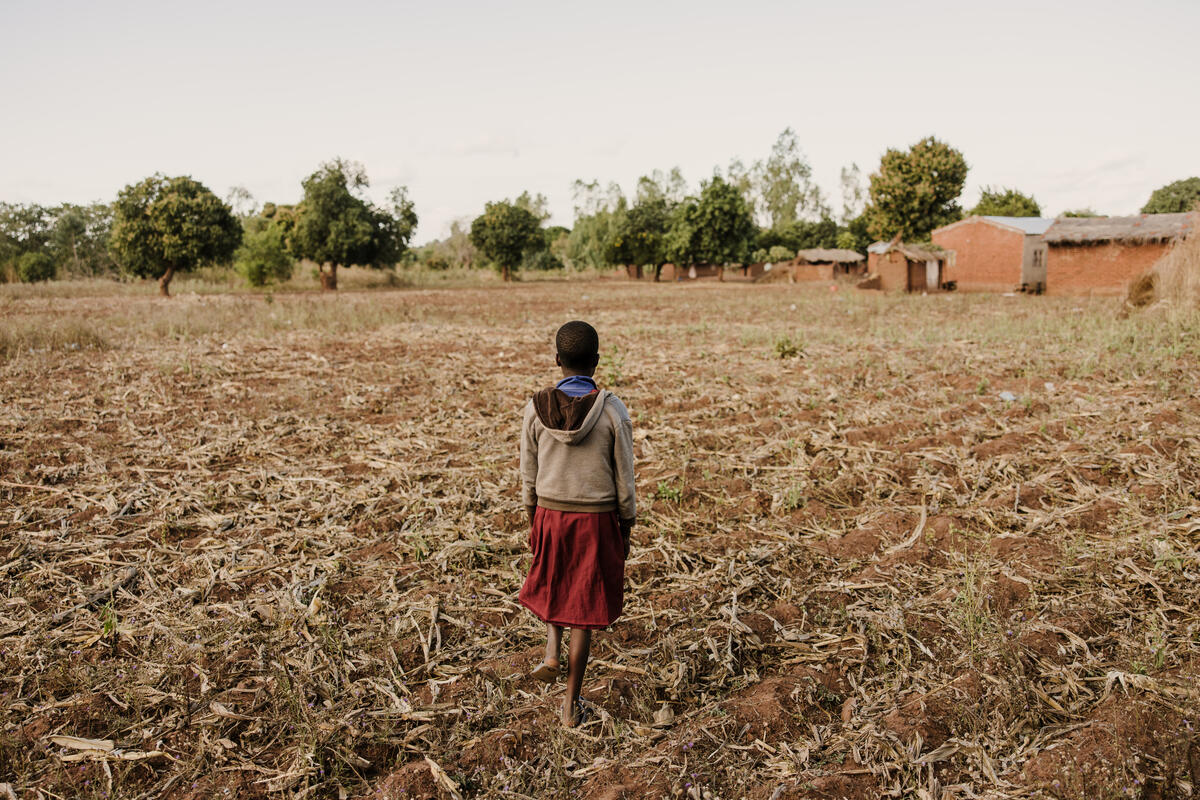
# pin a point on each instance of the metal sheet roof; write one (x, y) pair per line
(1032, 226)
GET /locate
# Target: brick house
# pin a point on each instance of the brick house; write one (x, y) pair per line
(897, 266)
(1101, 255)
(822, 264)
(996, 254)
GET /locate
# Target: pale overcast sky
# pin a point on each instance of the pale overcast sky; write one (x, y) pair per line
(1080, 103)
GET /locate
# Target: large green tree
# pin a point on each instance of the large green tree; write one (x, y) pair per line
(1175, 197)
(916, 190)
(1003, 202)
(337, 226)
(163, 225)
(715, 228)
(504, 232)
(649, 222)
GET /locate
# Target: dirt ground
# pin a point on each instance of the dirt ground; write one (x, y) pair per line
(269, 546)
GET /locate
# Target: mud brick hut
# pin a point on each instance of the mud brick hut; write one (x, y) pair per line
(820, 264)
(1101, 255)
(897, 266)
(670, 272)
(692, 272)
(996, 254)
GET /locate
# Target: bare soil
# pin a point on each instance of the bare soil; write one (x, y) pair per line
(858, 572)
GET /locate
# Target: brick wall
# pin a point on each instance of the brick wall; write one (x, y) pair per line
(1098, 268)
(893, 272)
(987, 257)
(813, 272)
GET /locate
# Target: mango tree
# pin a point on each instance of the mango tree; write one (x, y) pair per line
(336, 226)
(503, 233)
(163, 225)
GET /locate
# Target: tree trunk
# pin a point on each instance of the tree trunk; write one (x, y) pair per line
(507, 274)
(165, 281)
(657, 272)
(328, 279)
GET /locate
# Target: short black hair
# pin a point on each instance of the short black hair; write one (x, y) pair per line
(578, 345)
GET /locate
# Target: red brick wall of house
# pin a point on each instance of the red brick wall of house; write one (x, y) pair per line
(813, 272)
(987, 258)
(1098, 268)
(893, 271)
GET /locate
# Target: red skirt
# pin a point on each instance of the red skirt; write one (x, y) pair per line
(577, 578)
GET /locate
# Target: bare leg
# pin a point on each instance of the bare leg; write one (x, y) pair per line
(581, 645)
(553, 644)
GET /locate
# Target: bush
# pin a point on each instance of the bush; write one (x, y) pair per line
(263, 257)
(35, 266)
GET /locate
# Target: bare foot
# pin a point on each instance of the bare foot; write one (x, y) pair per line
(547, 671)
(574, 714)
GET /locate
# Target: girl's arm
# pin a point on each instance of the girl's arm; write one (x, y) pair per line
(623, 472)
(529, 461)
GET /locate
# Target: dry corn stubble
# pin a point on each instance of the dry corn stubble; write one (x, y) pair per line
(273, 548)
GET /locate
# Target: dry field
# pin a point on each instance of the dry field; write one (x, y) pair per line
(932, 547)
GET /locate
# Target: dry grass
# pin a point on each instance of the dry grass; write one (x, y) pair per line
(224, 280)
(271, 548)
(1174, 281)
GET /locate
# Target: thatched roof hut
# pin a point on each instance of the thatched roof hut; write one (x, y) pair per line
(907, 267)
(1127, 230)
(1101, 255)
(820, 255)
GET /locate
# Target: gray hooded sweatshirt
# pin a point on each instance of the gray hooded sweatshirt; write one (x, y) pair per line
(577, 454)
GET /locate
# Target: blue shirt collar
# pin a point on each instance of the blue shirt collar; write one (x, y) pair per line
(576, 385)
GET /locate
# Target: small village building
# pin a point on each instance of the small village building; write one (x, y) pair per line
(1101, 255)
(821, 264)
(996, 254)
(671, 272)
(897, 266)
(692, 272)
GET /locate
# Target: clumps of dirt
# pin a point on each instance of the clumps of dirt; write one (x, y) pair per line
(1027, 555)
(856, 544)
(1004, 594)
(488, 753)
(936, 715)
(1129, 746)
(878, 434)
(413, 781)
(1096, 517)
(1007, 444)
(946, 440)
(847, 781)
(1021, 497)
(619, 783)
(780, 705)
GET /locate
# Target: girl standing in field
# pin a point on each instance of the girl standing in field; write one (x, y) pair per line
(577, 485)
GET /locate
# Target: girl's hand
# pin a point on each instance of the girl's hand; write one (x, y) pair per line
(626, 530)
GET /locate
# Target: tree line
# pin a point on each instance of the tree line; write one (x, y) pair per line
(764, 211)
(162, 226)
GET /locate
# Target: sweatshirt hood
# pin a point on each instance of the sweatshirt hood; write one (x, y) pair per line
(569, 419)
